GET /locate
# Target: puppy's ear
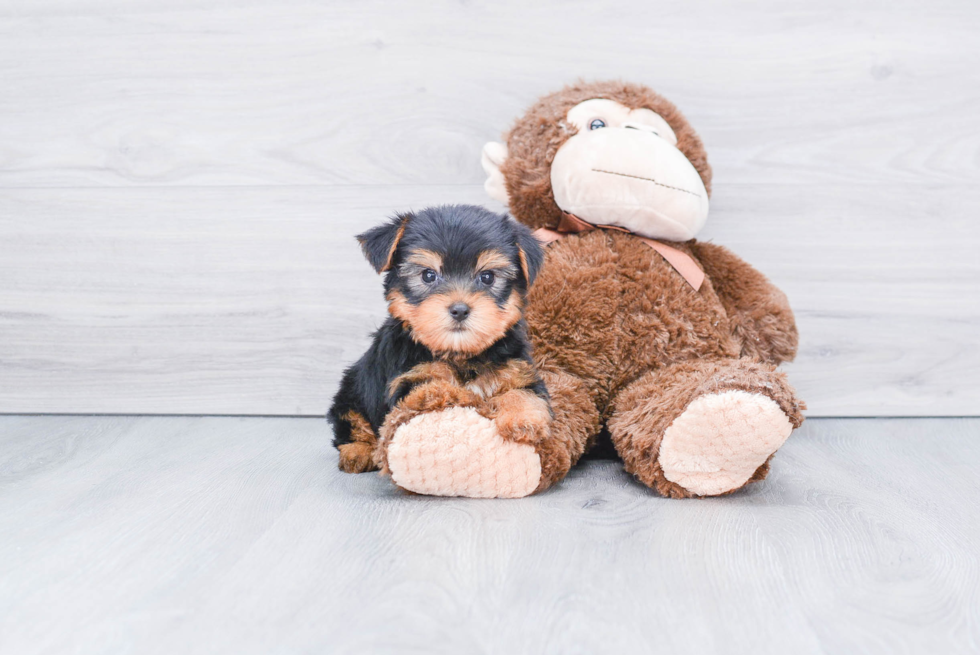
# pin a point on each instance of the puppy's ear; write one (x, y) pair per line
(379, 243)
(530, 252)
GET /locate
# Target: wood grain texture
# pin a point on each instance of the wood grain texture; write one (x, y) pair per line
(165, 535)
(179, 183)
(106, 92)
(199, 301)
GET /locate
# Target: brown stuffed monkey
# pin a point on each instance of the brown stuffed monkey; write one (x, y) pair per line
(670, 343)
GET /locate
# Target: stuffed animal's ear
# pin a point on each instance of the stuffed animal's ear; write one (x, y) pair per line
(530, 253)
(494, 156)
(379, 243)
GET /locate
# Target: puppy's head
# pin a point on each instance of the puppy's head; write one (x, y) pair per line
(457, 275)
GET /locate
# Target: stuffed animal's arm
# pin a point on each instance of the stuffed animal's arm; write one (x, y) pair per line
(760, 312)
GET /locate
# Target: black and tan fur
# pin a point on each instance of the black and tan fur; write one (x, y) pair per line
(440, 261)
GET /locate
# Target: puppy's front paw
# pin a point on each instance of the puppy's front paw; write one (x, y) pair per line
(458, 452)
(436, 395)
(521, 416)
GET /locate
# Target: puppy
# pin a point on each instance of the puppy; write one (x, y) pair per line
(456, 282)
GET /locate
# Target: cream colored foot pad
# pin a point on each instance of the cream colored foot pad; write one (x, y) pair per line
(721, 439)
(457, 452)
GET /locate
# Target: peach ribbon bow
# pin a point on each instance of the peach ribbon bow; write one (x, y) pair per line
(683, 263)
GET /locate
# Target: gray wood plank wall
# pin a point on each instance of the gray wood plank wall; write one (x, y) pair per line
(179, 183)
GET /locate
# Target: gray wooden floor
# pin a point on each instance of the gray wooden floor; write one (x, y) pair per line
(193, 535)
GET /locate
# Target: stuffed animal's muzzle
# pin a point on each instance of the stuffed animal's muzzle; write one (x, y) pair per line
(632, 178)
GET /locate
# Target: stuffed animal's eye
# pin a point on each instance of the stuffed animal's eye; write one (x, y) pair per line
(428, 276)
(487, 277)
(597, 123)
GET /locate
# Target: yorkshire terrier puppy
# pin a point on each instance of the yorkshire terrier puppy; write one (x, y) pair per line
(456, 282)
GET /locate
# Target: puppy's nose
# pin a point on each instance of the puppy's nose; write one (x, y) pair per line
(459, 311)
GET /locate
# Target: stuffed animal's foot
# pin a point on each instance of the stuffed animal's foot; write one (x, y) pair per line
(459, 452)
(703, 427)
(721, 439)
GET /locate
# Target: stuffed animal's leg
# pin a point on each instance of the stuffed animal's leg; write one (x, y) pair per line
(704, 427)
(575, 424)
(445, 440)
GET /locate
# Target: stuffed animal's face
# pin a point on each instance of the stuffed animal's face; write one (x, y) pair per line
(608, 153)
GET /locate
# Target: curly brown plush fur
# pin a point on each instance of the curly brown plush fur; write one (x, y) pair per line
(619, 337)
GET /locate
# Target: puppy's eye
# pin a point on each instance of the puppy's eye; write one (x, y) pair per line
(597, 123)
(428, 276)
(487, 277)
